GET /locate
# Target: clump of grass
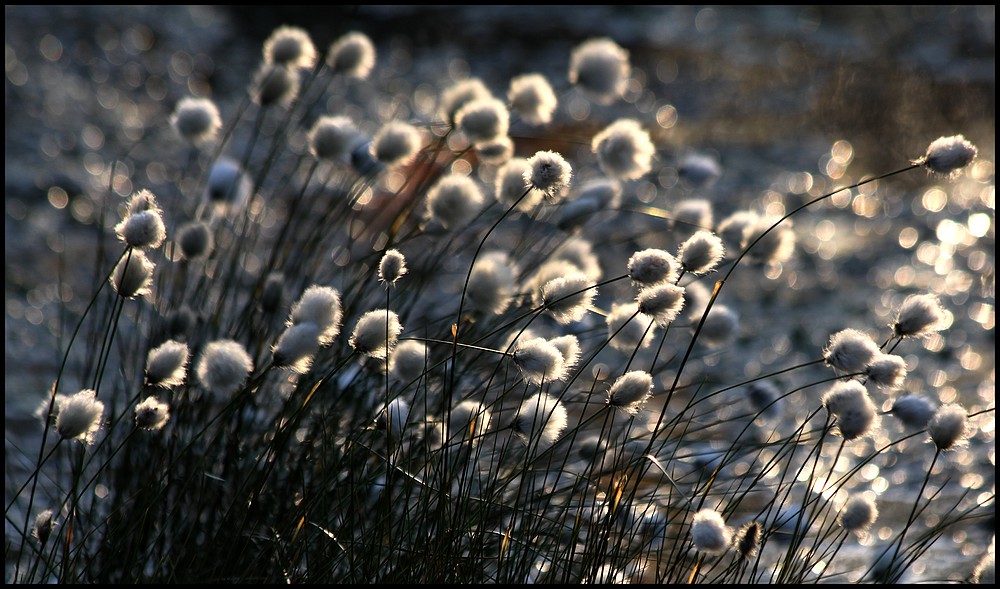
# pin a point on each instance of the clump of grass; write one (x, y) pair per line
(526, 394)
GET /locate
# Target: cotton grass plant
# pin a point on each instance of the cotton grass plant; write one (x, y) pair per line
(391, 350)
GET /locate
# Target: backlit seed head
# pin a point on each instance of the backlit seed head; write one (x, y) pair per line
(454, 200)
(850, 351)
(765, 398)
(720, 327)
(394, 417)
(166, 365)
(747, 539)
(469, 421)
(223, 367)
(296, 347)
(491, 283)
(392, 267)
(352, 55)
(273, 293)
(948, 155)
(79, 416)
(540, 420)
(569, 346)
(887, 371)
(275, 84)
(701, 252)
(915, 411)
(856, 414)
(567, 298)
(548, 173)
(228, 185)
(531, 96)
(409, 361)
(495, 152)
(630, 391)
(627, 329)
(319, 305)
(133, 276)
(601, 68)
(511, 185)
(459, 94)
(776, 247)
(291, 47)
(196, 120)
(624, 150)
(143, 229)
(195, 240)
(651, 267)
(44, 524)
(483, 119)
(949, 428)
(539, 360)
(396, 143)
(919, 316)
(333, 138)
(151, 415)
(376, 333)
(709, 532)
(858, 514)
(663, 302)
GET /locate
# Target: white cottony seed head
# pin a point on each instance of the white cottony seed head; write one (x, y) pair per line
(887, 371)
(701, 252)
(396, 143)
(651, 267)
(454, 200)
(567, 298)
(459, 94)
(333, 138)
(850, 351)
(709, 532)
(540, 420)
(919, 316)
(569, 346)
(42, 528)
(627, 329)
(195, 240)
(408, 361)
(532, 97)
(915, 411)
(352, 55)
(196, 120)
(491, 283)
(319, 305)
(275, 84)
(720, 327)
(511, 185)
(948, 155)
(483, 120)
(548, 173)
(291, 47)
(296, 347)
(630, 392)
(223, 367)
(858, 514)
(133, 276)
(79, 416)
(151, 415)
(624, 150)
(539, 360)
(663, 302)
(166, 365)
(469, 421)
(376, 333)
(392, 267)
(856, 414)
(601, 68)
(949, 428)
